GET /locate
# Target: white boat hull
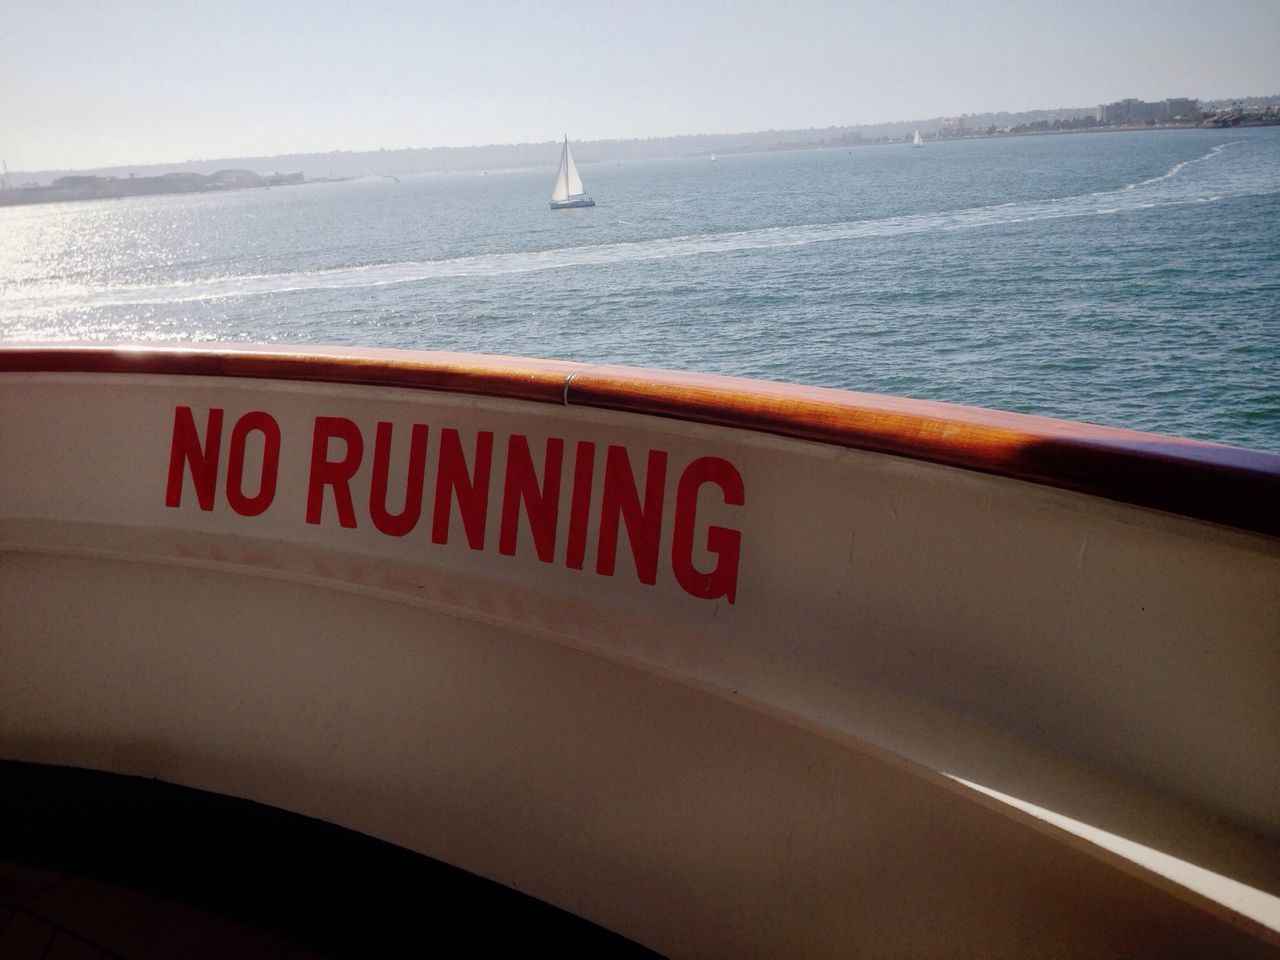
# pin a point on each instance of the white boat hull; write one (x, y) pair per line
(809, 699)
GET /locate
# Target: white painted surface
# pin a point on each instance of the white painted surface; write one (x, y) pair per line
(707, 777)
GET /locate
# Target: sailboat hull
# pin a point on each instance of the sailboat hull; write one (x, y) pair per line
(572, 203)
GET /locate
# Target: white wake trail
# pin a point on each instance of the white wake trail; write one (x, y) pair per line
(1182, 165)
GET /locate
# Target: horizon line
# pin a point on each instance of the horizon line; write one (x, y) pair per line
(597, 140)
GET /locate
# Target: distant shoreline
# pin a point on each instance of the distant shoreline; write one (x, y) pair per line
(199, 176)
(1132, 128)
(72, 189)
(985, 134)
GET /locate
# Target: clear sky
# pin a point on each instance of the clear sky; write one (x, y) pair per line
(102, 82)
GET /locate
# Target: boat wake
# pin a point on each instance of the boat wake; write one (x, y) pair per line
(1169, 188)
(1182, 165)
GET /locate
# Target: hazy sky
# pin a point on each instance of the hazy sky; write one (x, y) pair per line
(104, 82)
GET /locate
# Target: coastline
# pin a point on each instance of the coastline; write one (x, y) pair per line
(74, 188)
(114, 188)
(1130, 128)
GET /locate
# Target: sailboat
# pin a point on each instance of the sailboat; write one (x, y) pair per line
(568, 192)
(917, 142)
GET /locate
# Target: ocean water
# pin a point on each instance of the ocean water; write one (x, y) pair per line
(1130, 279)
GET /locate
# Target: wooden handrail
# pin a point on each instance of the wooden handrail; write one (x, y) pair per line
(1205, 481)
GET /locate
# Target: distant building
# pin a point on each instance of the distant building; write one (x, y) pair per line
(1128, 110)
(1142, 111)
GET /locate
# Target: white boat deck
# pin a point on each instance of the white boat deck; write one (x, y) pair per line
(726, 668)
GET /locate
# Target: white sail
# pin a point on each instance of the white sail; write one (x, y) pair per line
(917, 142)
(561, 190)
(575, 182)
(568, 183)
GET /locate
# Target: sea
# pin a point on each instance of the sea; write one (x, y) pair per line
(1129, 279)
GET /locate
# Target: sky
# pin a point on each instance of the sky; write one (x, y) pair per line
(87, 83)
